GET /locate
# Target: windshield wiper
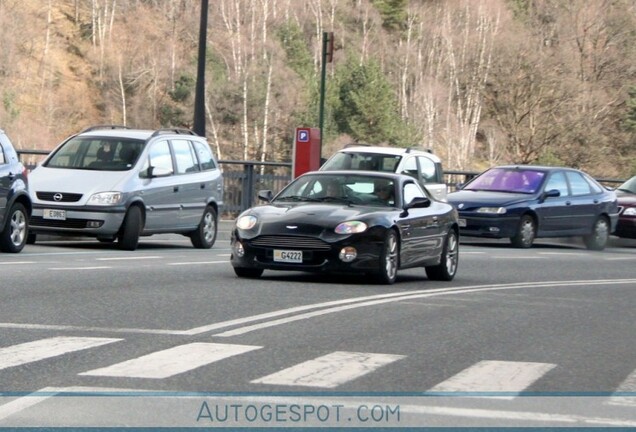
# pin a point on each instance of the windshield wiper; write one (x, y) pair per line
(296, 198)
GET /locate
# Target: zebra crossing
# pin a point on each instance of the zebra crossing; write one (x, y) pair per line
(327, 371)
(492, 379)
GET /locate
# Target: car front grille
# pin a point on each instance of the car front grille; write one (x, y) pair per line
(39, 221)
(63, 197)
(290, 242)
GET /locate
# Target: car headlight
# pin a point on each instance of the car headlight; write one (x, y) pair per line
(351, 227)
(246, 222)
(105, 198)
(630, 211)
(492, 210)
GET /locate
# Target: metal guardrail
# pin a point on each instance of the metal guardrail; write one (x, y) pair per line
(243, 179)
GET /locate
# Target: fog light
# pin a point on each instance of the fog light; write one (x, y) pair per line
(94, 224)
(348, 254)
(493, 229)
(239, 250)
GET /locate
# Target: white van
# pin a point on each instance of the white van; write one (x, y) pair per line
(116, 183)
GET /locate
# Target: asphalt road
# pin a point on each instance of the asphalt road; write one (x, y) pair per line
(552, 321)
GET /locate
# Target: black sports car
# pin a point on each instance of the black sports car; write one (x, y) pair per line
(348, 221)
(525, 202)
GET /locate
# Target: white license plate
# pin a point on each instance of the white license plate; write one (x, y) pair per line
(461, 223)
(54, 214)
(288, 256)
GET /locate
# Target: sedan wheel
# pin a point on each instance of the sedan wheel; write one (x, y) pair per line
(600, 235)
(447, 268)
(525, 234)
(13, 237)
(389, 258)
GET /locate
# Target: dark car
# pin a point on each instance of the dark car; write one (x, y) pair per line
(348, 221)
(524, 202)
(626, 193)
(15, 205)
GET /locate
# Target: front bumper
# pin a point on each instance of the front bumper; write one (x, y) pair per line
(626, 227)
(90, 221)
(492, 227)
(317, 254)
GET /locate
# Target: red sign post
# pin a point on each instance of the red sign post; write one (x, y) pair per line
(306, 151)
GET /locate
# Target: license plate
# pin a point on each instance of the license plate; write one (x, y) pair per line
(54, 214)
(288, 256)
(461, 223)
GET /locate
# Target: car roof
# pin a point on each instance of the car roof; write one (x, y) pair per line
(379, 174)
(141, 134)
(536, 167)
(395, 151)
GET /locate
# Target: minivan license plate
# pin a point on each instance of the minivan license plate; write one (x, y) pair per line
(54, 214)
(288, 256)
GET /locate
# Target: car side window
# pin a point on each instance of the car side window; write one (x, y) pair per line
(205, 156)
(184, 156)
(159, 156)
(578, 184)
(427, 169)
(410, 192)
(410, 167)
(557, 181)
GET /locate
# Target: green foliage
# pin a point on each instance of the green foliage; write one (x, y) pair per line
(367, 108)
(172, 116)
(295, 45)
(183, 88)
(393, 12)
(8, 101)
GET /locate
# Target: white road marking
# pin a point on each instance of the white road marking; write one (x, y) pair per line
(325, 308)
(130, 258)
(329, 371)
(172, 361)
(197, 262)
(623, 258)
(46, 348)
(627, 386)
(80, 268)
(17, 262)
(495, 376)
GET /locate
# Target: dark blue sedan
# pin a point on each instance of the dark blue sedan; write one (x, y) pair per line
(524, 202)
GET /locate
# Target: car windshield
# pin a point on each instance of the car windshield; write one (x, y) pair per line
(362, 161)
(628, 186)
(349, 189)
(514, 180)
(97, 154)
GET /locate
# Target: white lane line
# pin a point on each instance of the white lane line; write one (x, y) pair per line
(523, 257)
(79, 268)
(46, 348)
(17, 262)
(574, 254)
(197, 262)
(623, 258)
(173, 361)
(495, 376)
(329, 371)
(131, 258)
(627, 386)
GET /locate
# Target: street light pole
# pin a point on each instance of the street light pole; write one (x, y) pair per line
(199, 98)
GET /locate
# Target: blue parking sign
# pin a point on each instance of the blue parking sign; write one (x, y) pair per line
(303, 136)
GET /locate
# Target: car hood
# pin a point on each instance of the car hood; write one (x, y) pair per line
(472, 199)
(85, 182)
(307, 218)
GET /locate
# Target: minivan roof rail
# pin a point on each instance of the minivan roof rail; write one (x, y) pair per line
(104, 126)
(178, 131)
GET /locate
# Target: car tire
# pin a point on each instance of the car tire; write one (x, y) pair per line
(205, 234)
(248, 272)
(15, 232)
(131, 229)
(389, 258)
(600, 235)
(447, 268)
(526, 232)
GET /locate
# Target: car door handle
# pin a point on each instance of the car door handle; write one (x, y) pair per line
(202, 185)
(175, 189)
(568, 203)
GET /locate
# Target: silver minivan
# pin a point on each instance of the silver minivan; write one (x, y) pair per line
(117, 184)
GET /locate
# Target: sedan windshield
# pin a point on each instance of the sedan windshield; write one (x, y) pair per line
(628, 186)
(512, 180)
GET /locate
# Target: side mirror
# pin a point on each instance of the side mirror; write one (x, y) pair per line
(418, 202)
(152, 172)
(459, 186)
(265, 195)
(552, 193)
